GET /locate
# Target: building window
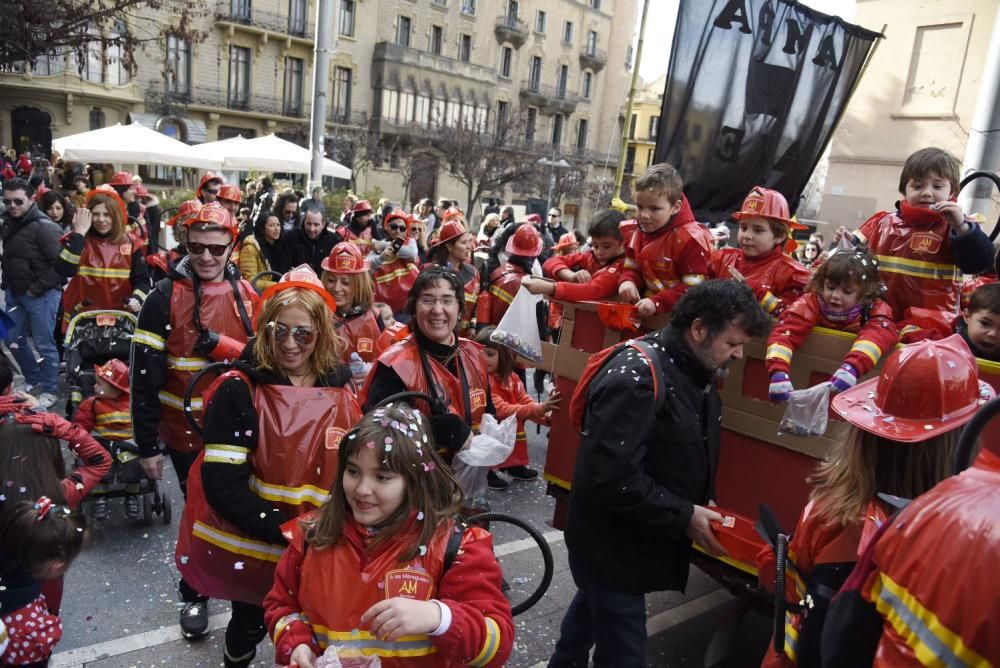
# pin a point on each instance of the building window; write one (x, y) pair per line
(422, 114)
(535, 73)
(239, 77)
(469, 7)
(630, 160)
(563, 79)
(513, 9)
(506, 56)
(631, 126)
(540, 19)
(178, 66)
(118, 73)
(628, 57)
(240, 9)
(591, 42)
(293, 86)
(465, 48)
(557, 127)
(297, 17)
(403, 31)
(437, 37)
(568, 32)
(529, 125)
(94, 68)
(581, 134)
(588, 84)
(595, 4)
(390, 104)
(48, 65)
(440, 3)
(342, 94)
(96, 119)
(437, 112)
(503, 114)
(654, 127)
(347, 18)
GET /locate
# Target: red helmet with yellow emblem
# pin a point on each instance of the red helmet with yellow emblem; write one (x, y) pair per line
(214, 213)
(345, 258)
(115, 373)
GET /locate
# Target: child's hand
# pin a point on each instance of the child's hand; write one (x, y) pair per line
(30, 401)
(397, 617)
(553, 401)
(537, 286)
(582, 276)
(645, 307)
(952, 212)
(628, 292)
(840, 234)
(303, 656)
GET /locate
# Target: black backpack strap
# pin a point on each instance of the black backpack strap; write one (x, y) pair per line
(454, 542)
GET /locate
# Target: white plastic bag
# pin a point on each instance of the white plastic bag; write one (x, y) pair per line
(331, 659)
(518, 329)
(490, 447)
(807, 411)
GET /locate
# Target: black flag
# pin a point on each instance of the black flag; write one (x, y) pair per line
(754, 91)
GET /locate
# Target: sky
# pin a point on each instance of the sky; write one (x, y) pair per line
(662, 14)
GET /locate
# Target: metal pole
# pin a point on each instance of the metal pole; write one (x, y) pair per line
(620, 174)
(325, 14)
(982, 152)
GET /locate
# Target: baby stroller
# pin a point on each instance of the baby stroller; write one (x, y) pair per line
(94, 338)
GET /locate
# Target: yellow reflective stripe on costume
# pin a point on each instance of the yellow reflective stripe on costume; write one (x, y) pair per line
(113, 434)
(362, 643)
(791, 638)
(220, 453)
(908, 329)
(471, 297)
(293, 495)
(139, 294)
(933, 643)
(398, 273)
(176, 402)
(148, 338)
(115, 416)
(491, 645)
(780, 352)
(792, 573)
(769, 302)
(630, 263)
(103, 272)
(76, 396)
(69, 256)
(501, 294)
(238, 544)
(187, 363)
(873, 352)
(692, 280)
(899, 265)
(284, 622)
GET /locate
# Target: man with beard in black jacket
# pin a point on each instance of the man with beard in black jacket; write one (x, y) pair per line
(643, 483)
(311, 242)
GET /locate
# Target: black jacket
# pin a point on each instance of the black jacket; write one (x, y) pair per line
(640, 471)
(30, 249)
(311, 251)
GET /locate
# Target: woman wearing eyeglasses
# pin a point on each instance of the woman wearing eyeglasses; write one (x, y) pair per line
(393, 263)
(347, 279)
(435, 360)
(272, 429)
(106, 270)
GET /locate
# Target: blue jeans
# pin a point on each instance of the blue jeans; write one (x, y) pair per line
(612, 622)
(35, 317)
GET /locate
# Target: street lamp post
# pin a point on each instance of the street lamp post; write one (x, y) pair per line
(552, 165)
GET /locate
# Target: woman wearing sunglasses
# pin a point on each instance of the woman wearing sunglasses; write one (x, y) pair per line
(272, 429)
(347, 278)
(393, 262)
(106, 269)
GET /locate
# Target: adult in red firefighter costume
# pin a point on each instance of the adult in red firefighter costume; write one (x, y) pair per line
(161, 262)
(202, 312)
(435, 360)
(106, 269)
(523, 247)
(346, 278)
(123, 183)
(452, 249)
(907, 424)
(230, 197)
(271, 433)
(776, 278)
(359, 230)
(208, 187)
(395, 267)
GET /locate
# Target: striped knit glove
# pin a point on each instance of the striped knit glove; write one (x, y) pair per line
(844, 378)
(781, 388)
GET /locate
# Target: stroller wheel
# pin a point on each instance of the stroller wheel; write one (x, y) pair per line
(166, 508)
(147, 509)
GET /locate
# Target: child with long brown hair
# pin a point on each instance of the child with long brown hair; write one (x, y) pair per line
(844, 294)
(368, 572)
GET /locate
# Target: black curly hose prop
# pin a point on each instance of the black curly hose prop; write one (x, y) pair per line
(996, 181)
(189, 390)
(780, 557)
(266, 272)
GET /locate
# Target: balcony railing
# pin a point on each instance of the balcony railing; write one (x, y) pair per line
(389, 52)
(593, 58)
(157, 97)
(263, 20)
(556, 100)
(511, 29)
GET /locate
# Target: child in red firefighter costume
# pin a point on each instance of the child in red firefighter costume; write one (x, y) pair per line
(907, 423)
(511, 398)
(106, 269)
(202, 312)
(161, 262)
(372, 574)
(394, 262)
(777, 279)
(523, 248)
(844, 294)
(435, 360)
(666, 250)
(347, 278)
(272, 430)
(453, 249)
(358, 230)
(925, 246)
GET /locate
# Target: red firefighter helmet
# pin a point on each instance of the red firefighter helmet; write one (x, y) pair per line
(304, 277)
(769, 204)
(214, 213)
(567, 240)
(106, 190)
(453, 213)
(207, 178)
(141, 190)
(526, 241)
(186, 210)
(362, 207)
(230, 192)
(397, 214)
(450, 231)
(925, 389)
(121, 179)
(345, 258)
(114, 372)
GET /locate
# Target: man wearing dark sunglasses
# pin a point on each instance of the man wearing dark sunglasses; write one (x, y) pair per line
(32, 287)
(203, 312)
(208, 187)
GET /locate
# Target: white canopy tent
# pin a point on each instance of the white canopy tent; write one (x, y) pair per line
(273, 154)
(130, 144)
(216, 150)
